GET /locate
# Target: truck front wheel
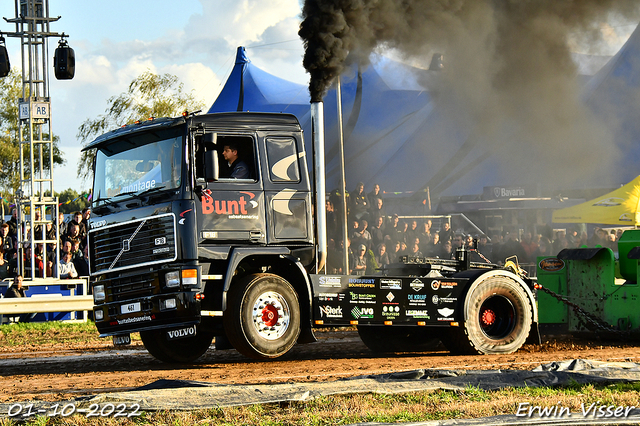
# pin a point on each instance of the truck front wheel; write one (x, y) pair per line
(262, 319)
(499, 315)
(183, 350)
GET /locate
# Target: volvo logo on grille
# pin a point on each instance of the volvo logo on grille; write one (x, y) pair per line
(126, 245)
(160, 241)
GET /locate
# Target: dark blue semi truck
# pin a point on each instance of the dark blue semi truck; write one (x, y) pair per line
(183, 254)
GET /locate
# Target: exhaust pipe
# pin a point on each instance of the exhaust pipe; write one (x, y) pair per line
(317, 132)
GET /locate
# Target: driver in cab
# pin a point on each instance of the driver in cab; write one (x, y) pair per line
(237, 168)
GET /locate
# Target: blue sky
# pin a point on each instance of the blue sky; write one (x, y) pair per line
(115, 41)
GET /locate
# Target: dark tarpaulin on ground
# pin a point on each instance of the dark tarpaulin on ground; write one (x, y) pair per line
(195, 395)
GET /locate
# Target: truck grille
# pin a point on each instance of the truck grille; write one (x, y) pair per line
(132, 244)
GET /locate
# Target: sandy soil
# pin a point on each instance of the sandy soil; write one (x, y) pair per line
(60, 372)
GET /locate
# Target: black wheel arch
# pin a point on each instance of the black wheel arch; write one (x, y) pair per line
(278, 261)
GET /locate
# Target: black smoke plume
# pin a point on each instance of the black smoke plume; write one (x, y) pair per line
(509, 76)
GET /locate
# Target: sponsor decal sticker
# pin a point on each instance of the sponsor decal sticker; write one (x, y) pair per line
(236, 208)
(435, 285)
(366, 299)
(418, 313)
(417, 299)
(330, 312)
(391, 312)
(358, 312)
(362, 283)
(136, 319)
(390, 297)
(389, 284)
(328, 281)
(551, 264)
(609, 202)
(446, 314)
(416, 285)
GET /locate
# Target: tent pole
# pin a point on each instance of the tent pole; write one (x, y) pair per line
(343, 181)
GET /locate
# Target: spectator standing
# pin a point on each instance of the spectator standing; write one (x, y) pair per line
(425, 235)
(332, 220)
(433, 247)
(377, 232)
(377, 209)
(415, 250)
(8, 243)
(360, 265)
(66, 267)
(5, 272)
(382, 257)
(359, 202)
(375, 194)
(446, 250)
(395, 229)
(86, 215)
(78, 258)
(62, 224)
(446, 233)
(16, 289)
(364, 234)
(13, 223)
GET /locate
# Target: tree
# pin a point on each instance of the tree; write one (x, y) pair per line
(149, 95)
(10, 93)
(72, 201)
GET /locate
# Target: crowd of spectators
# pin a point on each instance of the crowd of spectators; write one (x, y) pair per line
(72, 243)
(375, 239)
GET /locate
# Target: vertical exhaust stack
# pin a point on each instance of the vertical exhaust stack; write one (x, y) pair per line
(317, 132)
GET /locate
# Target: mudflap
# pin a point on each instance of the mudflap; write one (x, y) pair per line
(222, 343)
(306, 335)
(534, 335)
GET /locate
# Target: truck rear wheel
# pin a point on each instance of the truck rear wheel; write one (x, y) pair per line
(398, 339)
(499, 315)
(181, 351)
(262, 319)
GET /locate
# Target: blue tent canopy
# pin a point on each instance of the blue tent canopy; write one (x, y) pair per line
(397, 137)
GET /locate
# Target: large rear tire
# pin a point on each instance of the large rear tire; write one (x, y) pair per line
(262, 319)
(498, 318)
(181, 351)
(398, 338)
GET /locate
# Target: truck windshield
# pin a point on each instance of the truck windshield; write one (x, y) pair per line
(154, 165)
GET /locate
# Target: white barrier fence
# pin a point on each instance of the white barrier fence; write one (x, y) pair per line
(48, 302)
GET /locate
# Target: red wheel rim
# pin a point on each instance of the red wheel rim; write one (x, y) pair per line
(270, 315)
(488, 317)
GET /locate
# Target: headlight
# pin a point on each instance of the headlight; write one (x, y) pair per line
(98, 293)
(98, 315)
(168, 304)
(172, 279)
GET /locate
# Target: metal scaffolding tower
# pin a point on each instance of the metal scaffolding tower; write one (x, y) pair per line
(35, 196)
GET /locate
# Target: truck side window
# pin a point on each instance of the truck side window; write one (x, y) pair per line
(283, 159)
(242, 145)
(243, 148)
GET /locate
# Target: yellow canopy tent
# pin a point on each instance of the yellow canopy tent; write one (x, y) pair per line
(619, 207)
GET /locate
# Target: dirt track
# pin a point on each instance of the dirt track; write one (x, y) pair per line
(56, 372)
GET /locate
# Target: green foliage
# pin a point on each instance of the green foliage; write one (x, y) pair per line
(77, 201)
(10, 93)
(149, 95)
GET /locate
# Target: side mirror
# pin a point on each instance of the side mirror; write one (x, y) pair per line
(211, 169)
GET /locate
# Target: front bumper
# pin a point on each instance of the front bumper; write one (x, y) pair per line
(148, 313)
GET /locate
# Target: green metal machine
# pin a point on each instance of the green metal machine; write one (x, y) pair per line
(589, 290)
